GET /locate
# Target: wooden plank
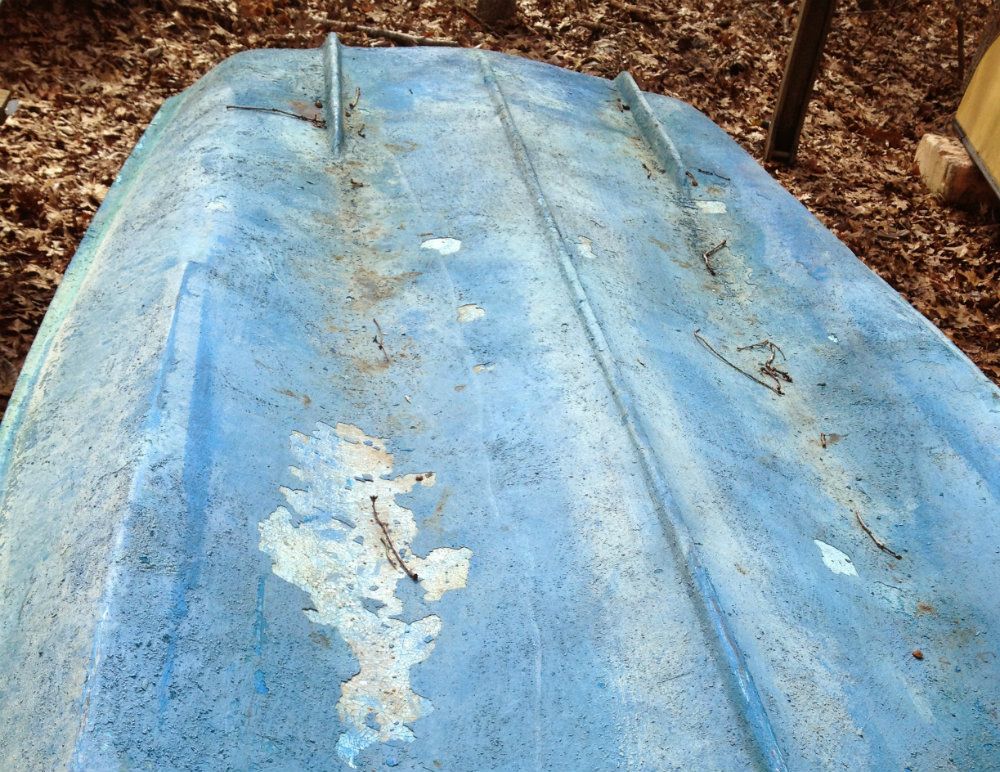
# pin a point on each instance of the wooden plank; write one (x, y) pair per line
(797, 82)
(978, 117)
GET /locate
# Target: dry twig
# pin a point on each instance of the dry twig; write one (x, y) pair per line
(314, 120)
(769, 369)
(751, 376)
(878, 542)
(708, 255)
(353, 103)
(714, 174)
(402, 37)
(379, 340)
(391, 551)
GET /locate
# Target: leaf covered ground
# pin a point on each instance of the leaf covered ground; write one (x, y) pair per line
(90, 74)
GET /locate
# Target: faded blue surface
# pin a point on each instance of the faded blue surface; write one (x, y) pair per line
(645, 589)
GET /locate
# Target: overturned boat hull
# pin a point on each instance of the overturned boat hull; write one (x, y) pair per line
(441, 409)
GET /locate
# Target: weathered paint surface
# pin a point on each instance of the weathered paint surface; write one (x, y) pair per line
(474, 296)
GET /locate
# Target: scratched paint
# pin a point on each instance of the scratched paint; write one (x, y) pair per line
(711, 207)
(328, 542)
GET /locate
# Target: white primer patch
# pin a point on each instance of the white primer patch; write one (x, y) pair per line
(470, 312)
(586, 247)
(347, 572)
(711, 207)
(836, 560)
(444, 246)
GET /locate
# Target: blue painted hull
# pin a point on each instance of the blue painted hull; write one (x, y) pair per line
(473, 414)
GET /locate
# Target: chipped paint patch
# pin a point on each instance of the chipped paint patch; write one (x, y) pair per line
(470, 312)
(585, 246)
(328, 543)
(711, 207)
(483, 368)
(444, 246)
(835, 560)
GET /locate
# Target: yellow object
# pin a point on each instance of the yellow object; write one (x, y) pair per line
(978, 116)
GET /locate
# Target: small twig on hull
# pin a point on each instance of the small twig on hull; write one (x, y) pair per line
(769, 369)
(317, 122)
(353, 103)
(391, 551)
(708, 255)
(751, 376)
(715, 174)
(379, 340)
(878, 542)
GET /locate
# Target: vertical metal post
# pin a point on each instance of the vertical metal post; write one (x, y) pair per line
(797, 82)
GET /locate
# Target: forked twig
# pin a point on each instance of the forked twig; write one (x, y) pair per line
(708, 255)
(769, 368)
(391, 551)
(751, 376)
